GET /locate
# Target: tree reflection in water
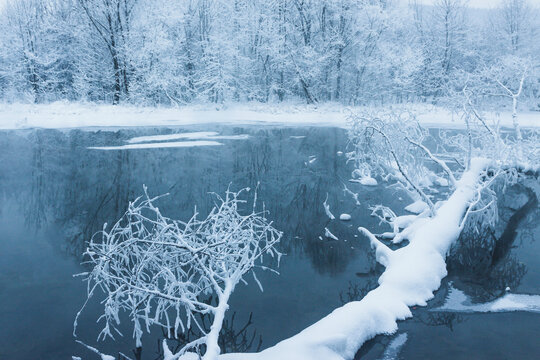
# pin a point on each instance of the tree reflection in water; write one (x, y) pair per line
(58, 184)
(233, 339)
(76, 190)
(482, 260)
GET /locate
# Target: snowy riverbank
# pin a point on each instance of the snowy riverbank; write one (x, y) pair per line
(78, 115)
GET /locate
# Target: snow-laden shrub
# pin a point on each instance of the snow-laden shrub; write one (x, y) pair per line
(159, 271)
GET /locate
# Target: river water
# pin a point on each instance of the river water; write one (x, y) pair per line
(55, 192)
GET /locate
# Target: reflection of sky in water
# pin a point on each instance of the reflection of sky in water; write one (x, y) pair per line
(55, 193)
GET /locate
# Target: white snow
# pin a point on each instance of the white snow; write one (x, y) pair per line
(228, 137)
(404, 221)
(161, 141)
(77, 115)
(412, 274)
(94, 350)
(212, 135)
(327, 209)
(172, 144)
(457, 301)
(417, 207)
(329, 235)
(366, 181)
(188, 135)
(441, 181)
(345, 217)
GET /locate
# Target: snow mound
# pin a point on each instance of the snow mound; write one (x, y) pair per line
(404, 221)
(345, 217)
(417, 207)
(441, 181)
(457, 301)
(366, 181)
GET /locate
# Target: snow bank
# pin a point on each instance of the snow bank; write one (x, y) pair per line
(172, 144)
(412, 274)
(76, 115)
(457, 301)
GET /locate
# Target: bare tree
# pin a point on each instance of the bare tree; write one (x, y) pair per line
(515, 20)
(112, 21)
(389, 145)
(158, 270)
(507, 78)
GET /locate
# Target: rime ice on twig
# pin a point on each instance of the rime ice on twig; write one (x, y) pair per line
(327, 209)
(157, 270)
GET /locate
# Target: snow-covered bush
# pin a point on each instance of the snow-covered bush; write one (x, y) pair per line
(159, 271)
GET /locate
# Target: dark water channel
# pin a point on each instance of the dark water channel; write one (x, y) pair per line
(55, 193)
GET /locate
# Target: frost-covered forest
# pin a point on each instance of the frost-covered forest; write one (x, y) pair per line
(176, 52)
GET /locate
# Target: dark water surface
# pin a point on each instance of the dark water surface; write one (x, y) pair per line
(55, 193)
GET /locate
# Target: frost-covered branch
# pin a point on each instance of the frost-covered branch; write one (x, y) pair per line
(385, 144)
(158, 270)
(438, 161)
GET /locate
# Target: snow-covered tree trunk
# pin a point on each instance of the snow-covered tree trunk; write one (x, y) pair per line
(212, 346)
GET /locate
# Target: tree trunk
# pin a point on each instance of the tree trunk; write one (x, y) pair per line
(117, 81)
(514, 119)
(212, 347)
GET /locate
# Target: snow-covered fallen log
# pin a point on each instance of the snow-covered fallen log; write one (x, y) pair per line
(406, 282)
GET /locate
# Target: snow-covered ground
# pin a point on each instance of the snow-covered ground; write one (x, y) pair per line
(76, 115)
